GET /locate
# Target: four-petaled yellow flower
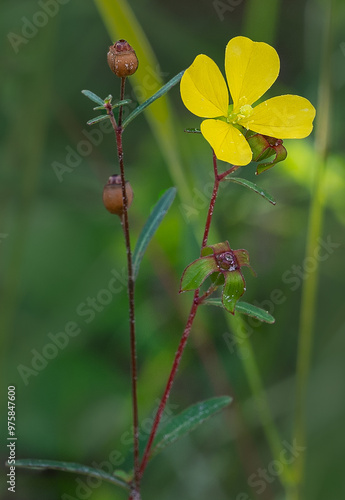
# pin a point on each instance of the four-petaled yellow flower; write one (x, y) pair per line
(251, 68)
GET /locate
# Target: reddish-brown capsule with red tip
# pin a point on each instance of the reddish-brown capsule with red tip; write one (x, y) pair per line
(122, 59)
(112, 195)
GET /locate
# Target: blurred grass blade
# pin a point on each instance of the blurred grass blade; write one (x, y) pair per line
(71, 467)
(261, 20)
(97, 119)
(152, 223)
(253, 187)
(188, 420)
(93, 97)
(121, 22)
(162, 91)
(244, 308)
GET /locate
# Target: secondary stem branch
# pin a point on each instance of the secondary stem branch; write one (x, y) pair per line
(185, 334)
(173, 372)
(212, 202)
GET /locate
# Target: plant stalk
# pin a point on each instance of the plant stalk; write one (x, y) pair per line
(309, 290)
(185, 335)
(131, 289)
(212, 202)
(171, 378)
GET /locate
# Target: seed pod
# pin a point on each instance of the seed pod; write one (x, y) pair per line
(112, 195)
(122, 59)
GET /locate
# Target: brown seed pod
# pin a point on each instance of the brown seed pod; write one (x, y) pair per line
(122, 59)
(112, 195)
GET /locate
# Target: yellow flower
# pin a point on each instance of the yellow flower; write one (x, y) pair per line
(251, 69)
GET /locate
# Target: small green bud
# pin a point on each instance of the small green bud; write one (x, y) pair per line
(263, 147)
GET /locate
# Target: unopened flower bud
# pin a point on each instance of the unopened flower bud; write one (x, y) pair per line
(112, 195)
(122, 59)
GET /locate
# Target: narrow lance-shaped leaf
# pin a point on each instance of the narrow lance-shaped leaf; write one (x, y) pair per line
(152, 223)
(97, 119)
(253, 187)
(188, 420)
(93, 97)
(71, 467)
(116, 105)
(244, 308)
(163, 90)
(192, 130)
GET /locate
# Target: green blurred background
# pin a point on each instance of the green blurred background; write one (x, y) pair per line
(60, 247)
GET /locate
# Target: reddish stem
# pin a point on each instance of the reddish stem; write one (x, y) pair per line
(228, 172)
(134, 376)
(165, 397)
(122, 96)
(125, 226)
(185, 335)
(206, 294)
(212, 202)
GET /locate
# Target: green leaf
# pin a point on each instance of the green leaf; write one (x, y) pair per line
(93, 97)
(121, 103)
(244, 308)
(253, 187)
(255, 312)
(188, 420)
(97, 119)
(152, 223)
(71, 467)
(195, 274)
(233, 289)
(163, 90)
(192, 130)
(116, 105)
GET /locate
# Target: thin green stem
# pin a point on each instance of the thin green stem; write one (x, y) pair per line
(251, 368)
(309, 290)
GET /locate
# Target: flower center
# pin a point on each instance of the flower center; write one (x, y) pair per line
(226, 261)
(235, 117)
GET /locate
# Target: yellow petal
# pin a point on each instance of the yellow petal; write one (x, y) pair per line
(251, 69)
(227, 142)
(283, 117)
(203, 89)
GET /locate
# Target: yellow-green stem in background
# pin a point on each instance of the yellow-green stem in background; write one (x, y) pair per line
(309, 291)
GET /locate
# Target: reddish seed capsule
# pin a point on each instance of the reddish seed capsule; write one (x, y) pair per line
(112, 195)
(122, 59)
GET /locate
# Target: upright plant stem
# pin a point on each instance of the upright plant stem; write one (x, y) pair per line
(185, 335)
(131, 284)
(212, 202)
(171, 378)
(122, 96)
(134, 376)
(309, 291)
